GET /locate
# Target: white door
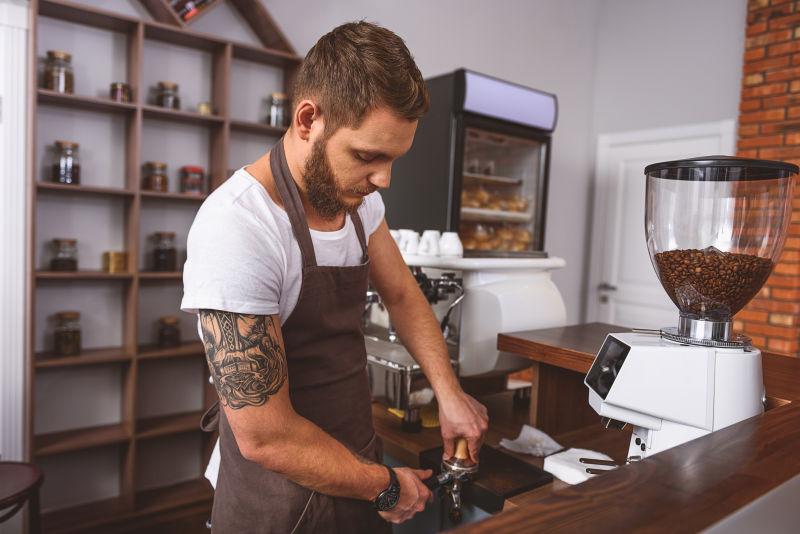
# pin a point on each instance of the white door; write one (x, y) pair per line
(623, 287)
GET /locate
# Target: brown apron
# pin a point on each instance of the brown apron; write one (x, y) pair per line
(328, 385)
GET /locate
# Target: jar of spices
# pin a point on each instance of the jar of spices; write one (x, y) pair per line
(66, 168)
(193, 180)
(68, 333)
(120, 92)
(164, 254)
(65, 255)
(155, 176)
(58, 75)
(205, 108)
(167, 95)
(278, 110)
(169, 335)
(115, 262)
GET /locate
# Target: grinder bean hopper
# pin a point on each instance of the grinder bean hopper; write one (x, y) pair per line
(715, 227)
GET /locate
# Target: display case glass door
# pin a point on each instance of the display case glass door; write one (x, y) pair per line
(502, 194)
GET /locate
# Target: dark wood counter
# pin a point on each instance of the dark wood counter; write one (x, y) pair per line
(686, 488)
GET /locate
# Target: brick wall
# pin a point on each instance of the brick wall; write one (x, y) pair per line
(769, 128)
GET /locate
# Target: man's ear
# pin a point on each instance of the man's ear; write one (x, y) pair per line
(304, 116)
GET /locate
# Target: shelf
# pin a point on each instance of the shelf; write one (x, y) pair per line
(86, 15)
(168, 497)
(91, 103)
(91, 517)
(267, 56)
(81, 275)
(159, 275)
(86, 516)
(156, 112)
(151, 352)
(84, 438)
(183, 197)
(82, 189)
(490, 178)
(88, 357)
(484, 215)
(258, 128)
(166, 425)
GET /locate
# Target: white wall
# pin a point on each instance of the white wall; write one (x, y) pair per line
(547, 44)
(666, 63)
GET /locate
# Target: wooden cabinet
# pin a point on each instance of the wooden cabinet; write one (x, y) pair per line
(116, 428)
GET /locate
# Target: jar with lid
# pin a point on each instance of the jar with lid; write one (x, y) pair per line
(278, 110)
(167, 95)
(67, 337)
(58, 74)
(169, 335)
(66, 168)
(155, 176)
(193, 180)
(120, 92)
(164, 254)
(65, 255)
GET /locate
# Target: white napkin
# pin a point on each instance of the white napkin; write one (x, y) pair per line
(531, 441)
(565, 465)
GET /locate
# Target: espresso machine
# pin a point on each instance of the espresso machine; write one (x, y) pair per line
(715, 227)
(474, 299)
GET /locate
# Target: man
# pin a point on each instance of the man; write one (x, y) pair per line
(279, 260)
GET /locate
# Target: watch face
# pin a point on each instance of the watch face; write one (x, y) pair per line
(388, 499)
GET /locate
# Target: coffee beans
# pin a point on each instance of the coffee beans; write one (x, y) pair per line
(709, 283)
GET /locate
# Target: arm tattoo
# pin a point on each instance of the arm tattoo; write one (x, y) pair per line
(245, 359)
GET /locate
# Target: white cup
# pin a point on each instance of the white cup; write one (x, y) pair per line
(429, 243)
(404, 233)
(411, 243)
(450, 245)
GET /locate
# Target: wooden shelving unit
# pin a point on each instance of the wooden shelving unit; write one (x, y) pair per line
(131, 503)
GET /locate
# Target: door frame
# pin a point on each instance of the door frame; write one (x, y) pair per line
(606, 168)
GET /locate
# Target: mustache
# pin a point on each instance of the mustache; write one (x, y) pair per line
(363, 191)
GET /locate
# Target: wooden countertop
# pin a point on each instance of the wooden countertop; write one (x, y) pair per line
(686, 488)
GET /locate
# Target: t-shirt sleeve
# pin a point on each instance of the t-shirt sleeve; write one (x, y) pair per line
(372, 212)
(233, 264)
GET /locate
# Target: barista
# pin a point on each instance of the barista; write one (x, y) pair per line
(279, 260)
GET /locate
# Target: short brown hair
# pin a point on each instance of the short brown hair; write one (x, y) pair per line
(357, 67)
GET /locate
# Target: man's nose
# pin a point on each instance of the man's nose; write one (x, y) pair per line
(382, 178)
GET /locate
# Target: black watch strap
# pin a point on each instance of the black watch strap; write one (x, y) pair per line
(387, 499)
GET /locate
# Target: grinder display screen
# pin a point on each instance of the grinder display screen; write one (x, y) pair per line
(607, 365)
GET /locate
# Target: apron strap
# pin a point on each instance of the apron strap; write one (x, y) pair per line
(287, 189)
(362, 239)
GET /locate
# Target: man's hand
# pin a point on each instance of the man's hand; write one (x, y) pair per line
(461, 416)
(413, 494)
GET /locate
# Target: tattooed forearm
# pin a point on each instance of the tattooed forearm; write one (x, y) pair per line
(245, 359)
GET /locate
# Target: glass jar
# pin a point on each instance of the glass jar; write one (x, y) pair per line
(193, 180)
(66, 168)
(65, 255)
(155, 176)
(169, 335)
(278, 110)
(120, 92)
(115, 262)
(58, 75)
(167, 95)
(715, 227)
(164, 254)
(67, 337)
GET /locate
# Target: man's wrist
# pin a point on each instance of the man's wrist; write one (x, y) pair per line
(379, 480)
(446, 392)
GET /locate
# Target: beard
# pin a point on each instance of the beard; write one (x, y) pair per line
(322, 191)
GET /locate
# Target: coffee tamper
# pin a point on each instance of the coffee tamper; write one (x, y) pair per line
(454, 473)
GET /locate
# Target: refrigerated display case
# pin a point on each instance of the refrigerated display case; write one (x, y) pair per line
(478, 166)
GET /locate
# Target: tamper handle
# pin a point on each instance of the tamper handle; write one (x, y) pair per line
(462, 449)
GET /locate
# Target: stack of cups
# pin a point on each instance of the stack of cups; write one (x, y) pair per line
(432, 243)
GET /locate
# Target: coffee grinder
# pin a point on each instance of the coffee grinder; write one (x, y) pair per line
(715, 227)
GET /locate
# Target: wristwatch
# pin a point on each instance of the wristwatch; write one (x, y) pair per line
(387, 499)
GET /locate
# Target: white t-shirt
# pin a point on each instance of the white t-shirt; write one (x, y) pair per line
(241, 256)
